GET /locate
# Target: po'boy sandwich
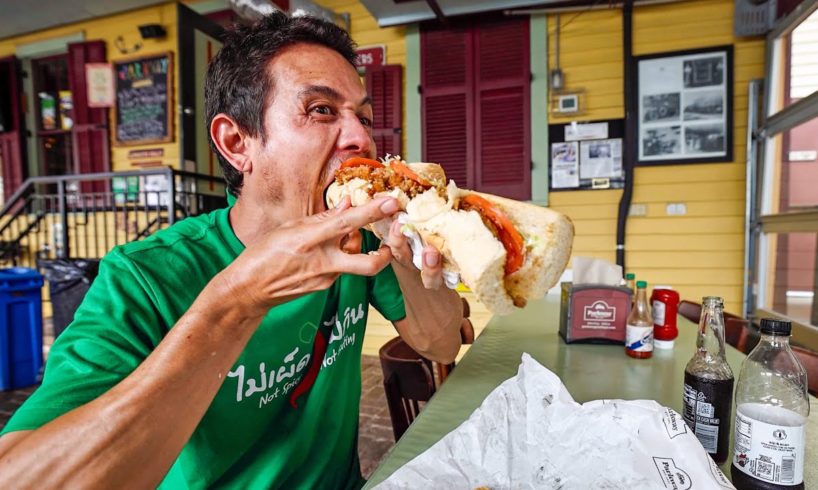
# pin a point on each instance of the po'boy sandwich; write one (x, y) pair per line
(507, 252)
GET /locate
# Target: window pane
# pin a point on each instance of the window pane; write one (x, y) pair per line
(793, 163)
(796, 64)
(791, 281)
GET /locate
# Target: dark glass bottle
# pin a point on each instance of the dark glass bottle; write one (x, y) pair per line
(708, 385)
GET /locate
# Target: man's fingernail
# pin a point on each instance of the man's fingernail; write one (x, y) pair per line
(389, 206)
(431, 260)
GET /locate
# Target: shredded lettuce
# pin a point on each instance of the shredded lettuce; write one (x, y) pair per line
(531, 241)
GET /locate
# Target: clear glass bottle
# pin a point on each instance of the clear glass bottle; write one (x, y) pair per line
(708, 384)
(639, 329)
(771, 413)
(630, 283)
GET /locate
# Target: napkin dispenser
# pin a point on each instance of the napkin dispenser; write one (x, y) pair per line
(594, 313)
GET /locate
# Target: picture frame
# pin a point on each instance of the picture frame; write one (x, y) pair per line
(684, 106)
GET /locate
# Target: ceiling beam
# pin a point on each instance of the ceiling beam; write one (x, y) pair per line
(438, 12)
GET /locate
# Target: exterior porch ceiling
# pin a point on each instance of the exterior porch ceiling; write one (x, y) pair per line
(24, 16)
(395, 12)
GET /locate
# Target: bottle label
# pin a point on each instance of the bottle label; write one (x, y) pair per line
(701, 416)
(658, 312)
(768, 452)
(639, 339)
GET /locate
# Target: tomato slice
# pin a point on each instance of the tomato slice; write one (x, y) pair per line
(357, 161)
(509, 236)
(401, 169)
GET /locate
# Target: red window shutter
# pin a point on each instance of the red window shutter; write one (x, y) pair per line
(502, 92)
(385, 86)
(90, 131)
(12, 149)
(446, 80)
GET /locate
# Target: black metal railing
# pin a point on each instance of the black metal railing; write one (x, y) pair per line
(84, 216)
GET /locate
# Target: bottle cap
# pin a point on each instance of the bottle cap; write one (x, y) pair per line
(663, 344)
(641, 284)
(630, 275)
(774, 326)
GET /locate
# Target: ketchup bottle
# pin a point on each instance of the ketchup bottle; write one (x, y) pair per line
(664, 305)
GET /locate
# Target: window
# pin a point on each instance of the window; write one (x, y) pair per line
(786, 262)
(54, 114)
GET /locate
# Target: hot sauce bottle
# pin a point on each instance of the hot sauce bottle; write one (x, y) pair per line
(639, 329)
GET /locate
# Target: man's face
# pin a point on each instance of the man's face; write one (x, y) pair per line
(319, 116)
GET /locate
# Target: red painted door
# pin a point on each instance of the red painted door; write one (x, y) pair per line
(502, 109)
(475, 86)
(12, 147)
(446, 95)
(90, 131)
(384, 84)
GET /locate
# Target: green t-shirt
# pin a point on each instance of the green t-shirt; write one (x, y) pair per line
(251, 436)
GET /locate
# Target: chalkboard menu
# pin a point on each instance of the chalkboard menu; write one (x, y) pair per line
(144, 92)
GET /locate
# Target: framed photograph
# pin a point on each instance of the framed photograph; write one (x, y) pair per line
(685, 106)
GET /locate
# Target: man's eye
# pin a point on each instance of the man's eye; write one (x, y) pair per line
(366, 121)
(323, 110)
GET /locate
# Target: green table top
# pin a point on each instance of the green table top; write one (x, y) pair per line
(590, 372)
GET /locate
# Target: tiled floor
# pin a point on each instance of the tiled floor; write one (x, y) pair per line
(375, 435)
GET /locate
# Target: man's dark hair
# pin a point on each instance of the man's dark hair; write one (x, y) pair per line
(237, 83)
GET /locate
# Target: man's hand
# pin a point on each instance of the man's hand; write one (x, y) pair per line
(432, 272)
(308, 255)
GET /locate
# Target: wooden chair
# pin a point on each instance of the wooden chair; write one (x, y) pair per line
(466, 337)
(740, 333)
(408, 380)
(690, 310)
(809, 358)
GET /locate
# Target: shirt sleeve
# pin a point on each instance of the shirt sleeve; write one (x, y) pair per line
(114, 329)
(384, 290)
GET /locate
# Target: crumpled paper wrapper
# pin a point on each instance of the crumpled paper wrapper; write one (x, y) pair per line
(530, 434)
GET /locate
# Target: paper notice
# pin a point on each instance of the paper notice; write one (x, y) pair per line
(601, 159)
(564, 165)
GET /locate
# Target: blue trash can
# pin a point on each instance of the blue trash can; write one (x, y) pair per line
(21, 327)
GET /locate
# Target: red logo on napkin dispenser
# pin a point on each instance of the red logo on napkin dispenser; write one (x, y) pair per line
(599, 311)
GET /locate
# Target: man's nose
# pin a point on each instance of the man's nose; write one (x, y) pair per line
(355, 137)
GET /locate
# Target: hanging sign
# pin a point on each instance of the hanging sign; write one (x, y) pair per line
(370, 56)
(100, 84)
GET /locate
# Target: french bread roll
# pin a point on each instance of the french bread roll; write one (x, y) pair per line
(468, 246)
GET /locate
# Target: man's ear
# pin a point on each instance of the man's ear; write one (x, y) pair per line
(232, 142)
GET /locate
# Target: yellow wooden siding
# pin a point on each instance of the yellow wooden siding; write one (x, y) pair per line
(591, 59)
(701, 252)
(365, 31)
(108, 29)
